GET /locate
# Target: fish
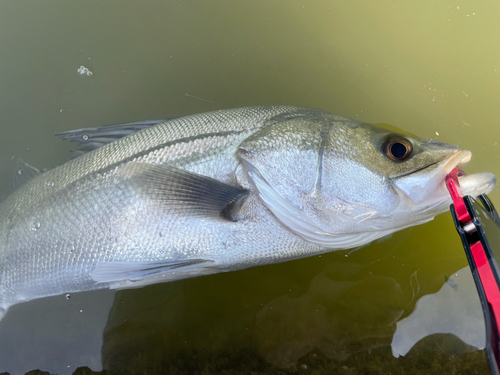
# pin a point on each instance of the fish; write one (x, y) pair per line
(164, 200)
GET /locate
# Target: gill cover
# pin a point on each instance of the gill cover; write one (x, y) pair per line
(296, 220)
(284, 163)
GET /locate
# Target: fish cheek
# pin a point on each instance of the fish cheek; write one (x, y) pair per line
(353, 189)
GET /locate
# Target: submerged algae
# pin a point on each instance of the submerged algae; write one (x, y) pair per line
(378, 362)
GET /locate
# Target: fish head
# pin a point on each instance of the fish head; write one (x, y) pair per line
(340, 183)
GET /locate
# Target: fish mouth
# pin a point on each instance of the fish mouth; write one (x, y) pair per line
(428, 183)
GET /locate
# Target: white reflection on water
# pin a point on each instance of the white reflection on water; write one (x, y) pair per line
(55, 334)
(454, 309)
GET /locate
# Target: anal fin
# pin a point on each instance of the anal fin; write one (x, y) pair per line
(134, 274)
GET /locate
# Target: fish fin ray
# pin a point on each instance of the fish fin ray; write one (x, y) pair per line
(92, 138)
(184, 192)
(24, 173)
(130, 274)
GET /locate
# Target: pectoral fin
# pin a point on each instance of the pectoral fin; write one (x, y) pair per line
(136, 274)
(183, 192)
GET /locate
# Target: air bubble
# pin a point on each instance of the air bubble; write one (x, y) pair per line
(85, 137)
(83, 71)
(68, 296)
(35, 225)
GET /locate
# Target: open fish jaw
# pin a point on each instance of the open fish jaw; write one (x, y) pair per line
(433, 197)
(418, 186)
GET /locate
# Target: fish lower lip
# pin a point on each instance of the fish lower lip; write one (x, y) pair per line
(477, 183)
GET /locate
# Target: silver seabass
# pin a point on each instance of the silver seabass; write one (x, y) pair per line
(221, 191)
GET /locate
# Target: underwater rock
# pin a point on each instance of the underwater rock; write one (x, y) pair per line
(338, 318)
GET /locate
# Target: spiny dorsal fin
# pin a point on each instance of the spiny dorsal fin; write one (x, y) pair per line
(24, 173)
(91, 138)
(183, 192)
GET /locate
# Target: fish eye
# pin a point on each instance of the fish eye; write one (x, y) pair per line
(397, 149)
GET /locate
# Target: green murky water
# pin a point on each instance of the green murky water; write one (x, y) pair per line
(430, 68)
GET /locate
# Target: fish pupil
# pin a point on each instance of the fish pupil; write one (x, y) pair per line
(398, 150)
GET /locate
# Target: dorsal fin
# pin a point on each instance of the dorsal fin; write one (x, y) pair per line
(24, 173)
(91, 138)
